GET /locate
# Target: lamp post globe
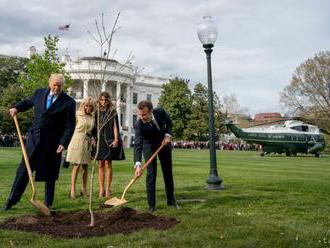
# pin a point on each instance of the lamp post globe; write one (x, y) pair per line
(207, 33)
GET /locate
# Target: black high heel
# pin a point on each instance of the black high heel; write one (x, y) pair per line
(83, 195)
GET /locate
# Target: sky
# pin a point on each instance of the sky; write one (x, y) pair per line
(259, 45)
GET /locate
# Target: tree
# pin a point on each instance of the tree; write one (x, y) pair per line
(197, 127)
(40, 67)
(231, 105)
(10, 69)
(198, 124)
(103, 38)
(176, 100)
(23, 77)
(11, 95)
(220, 116)
(308, 94)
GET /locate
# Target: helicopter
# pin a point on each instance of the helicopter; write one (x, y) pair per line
(290, 137)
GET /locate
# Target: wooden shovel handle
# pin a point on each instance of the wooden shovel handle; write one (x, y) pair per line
(143, 168)
(150, 159)
(153, 156)
(25, 156)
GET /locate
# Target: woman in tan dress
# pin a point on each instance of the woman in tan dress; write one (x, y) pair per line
(79, 152)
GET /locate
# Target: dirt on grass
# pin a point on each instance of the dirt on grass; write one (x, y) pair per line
(76, 224)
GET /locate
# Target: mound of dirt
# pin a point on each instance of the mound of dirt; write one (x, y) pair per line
(76, 224)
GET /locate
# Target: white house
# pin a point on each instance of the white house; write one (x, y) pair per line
(125, 87)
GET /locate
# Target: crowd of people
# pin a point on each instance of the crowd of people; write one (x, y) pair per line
(9, 140)
(92, 132)
(232, 146)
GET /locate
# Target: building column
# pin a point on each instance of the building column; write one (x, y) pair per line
(103, 86)
(118, 93)
(128, 122)
(85, 88)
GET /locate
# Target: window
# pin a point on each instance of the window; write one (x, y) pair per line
(134, 119)
(302, 128)
(135, 98)
(149, 97)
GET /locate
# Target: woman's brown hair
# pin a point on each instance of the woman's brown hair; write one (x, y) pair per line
(107, 96)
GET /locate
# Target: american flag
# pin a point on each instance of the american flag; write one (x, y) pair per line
(64, 27)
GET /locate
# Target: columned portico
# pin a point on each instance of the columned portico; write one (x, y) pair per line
(85, 90)
(118, 94)
(128, 122)
(125, 87)
(103, 86)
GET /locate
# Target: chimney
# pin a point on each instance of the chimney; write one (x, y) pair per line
(32, 51)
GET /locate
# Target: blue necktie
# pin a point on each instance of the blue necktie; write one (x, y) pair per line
(49, 101)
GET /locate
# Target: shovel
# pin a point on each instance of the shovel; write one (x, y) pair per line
(116, 201)
(37, 204)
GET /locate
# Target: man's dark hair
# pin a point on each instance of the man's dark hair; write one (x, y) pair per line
(145, 104)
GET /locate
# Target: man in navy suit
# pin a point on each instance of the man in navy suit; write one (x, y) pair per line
(52, 128)
(154, 127)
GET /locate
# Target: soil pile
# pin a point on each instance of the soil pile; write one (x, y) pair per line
(76, 224)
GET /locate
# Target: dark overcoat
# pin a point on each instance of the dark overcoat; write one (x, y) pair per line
(107, 136)
(50, 128)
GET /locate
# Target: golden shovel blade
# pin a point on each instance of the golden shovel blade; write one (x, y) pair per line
(41, 207)
(115, 202)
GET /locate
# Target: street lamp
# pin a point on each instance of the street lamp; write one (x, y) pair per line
(207, 34)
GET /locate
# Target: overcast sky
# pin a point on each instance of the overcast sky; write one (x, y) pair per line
(259, 45)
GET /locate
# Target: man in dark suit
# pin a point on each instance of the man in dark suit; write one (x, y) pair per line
(154, 127)
(52, 128)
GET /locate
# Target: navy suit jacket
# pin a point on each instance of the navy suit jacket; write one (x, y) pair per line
(154, 136)
(50, 128)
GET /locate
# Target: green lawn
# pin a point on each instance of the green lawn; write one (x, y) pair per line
(272, 201)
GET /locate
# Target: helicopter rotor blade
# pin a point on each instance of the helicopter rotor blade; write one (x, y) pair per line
(324, 131)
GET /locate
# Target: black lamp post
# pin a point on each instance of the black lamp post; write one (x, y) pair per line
(207, 34)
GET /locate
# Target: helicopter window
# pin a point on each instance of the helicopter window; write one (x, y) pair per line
(313, 129)
(302, 128)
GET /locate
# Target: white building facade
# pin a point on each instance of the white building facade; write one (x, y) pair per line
(92, 75)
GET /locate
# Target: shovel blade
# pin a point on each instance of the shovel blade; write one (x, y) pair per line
(115, 202)
(41, 207)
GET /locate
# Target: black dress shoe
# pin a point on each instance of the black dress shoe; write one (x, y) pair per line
(173, 204)
(151, 209)
(6, 207)
(48, 205)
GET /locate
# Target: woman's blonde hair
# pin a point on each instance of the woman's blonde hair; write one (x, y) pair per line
(87, 101)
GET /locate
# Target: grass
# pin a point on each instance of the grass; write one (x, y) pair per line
(272, 201)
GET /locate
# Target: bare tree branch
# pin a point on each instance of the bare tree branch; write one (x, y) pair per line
(307, 93)
(93, 37)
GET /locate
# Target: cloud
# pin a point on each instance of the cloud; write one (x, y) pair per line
(260, 42)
